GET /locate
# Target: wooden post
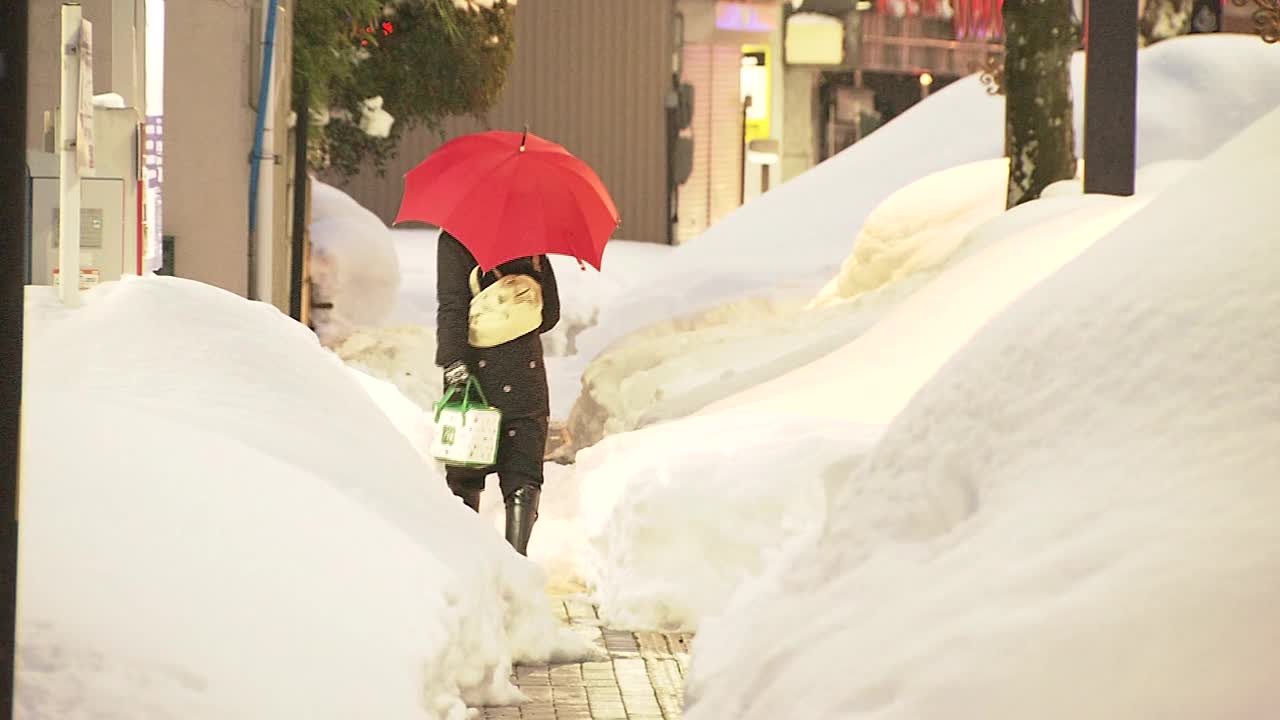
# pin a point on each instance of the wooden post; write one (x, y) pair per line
(1111, 97)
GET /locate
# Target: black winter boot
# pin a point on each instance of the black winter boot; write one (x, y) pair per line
(470, 497)
(522, 513)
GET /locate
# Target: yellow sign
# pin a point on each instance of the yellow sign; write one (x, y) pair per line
(756, 84)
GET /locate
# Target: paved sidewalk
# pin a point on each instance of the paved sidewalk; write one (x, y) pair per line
(643, 679)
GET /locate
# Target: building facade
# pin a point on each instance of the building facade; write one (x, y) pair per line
(210, 64)
(592, 76)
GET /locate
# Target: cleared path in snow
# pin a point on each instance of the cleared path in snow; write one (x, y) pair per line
(643, 679)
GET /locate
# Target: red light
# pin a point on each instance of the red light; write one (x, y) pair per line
(387, 28)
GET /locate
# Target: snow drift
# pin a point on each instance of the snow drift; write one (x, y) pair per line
(762, 263)
(804, 425)
(353, 265)
(219, 522)
(1194, 93)
(676, 368)
(1074, 518)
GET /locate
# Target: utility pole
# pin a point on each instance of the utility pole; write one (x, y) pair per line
(13, 223)
(1111, 96)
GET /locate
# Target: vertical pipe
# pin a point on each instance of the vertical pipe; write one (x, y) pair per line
(264, 89)
(13, 224)
(302, 105)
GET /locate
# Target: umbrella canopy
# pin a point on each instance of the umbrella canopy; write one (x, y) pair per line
(506, 195)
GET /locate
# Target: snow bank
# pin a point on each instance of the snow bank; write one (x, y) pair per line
(685, 365)
(677, 367)
(877, 373)
(677, 516)
(797, 429)
(219, 522)
(1074, 518)
(353, 265)
(919, 228)
(1194, 93)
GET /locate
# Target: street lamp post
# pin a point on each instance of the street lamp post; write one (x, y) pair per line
(1110, 96)
(13, 223)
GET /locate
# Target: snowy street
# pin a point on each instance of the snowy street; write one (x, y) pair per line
(873, 446)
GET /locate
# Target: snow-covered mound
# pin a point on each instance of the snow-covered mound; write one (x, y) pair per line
(769, 440)
(1074, 518)
(919, 228)
(677, 516)
(1194, 93)
(219, 522)
(353, 265)
(677, 367)
(683, 365)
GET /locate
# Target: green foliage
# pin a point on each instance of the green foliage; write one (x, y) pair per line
(324, 53)
(436, 62)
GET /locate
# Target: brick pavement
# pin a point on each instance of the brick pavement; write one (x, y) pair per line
(643, 679)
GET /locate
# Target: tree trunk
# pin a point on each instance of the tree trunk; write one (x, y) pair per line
(1040, 37)
(1163, 19)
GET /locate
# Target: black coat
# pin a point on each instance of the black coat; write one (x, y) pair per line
(512, 374)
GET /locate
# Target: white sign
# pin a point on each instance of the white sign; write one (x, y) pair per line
(89, 277)
(84, 114)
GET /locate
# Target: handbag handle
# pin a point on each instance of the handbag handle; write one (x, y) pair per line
(466, 397)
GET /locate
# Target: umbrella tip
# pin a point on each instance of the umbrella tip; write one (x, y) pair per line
(524, 138)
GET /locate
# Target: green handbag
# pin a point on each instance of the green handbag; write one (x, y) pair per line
(467, 431)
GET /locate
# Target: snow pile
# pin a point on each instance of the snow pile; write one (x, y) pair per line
(1193, 94)
(353, 265)
(919, 228)
(219, 522)
(403, 355)
(677, 516)
(109, 101)
(796, 429)
(678, 367)
(374, 121)
(1074, 518)
(684, 365)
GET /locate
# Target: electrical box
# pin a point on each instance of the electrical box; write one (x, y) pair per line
(111, 235)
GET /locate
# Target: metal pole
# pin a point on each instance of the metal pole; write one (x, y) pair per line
(1111, 97)
(69, 176)
(13, 223)
(742, 159)
(302, 106)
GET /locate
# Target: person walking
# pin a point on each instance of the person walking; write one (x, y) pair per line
(503, 201)
(512, 376)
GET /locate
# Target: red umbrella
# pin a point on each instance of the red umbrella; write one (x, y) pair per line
(507, 195)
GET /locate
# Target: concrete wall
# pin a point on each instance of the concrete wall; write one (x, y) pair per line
(209, 49)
